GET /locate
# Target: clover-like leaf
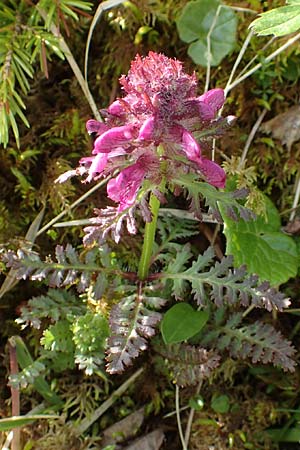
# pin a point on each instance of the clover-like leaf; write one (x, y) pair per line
(200, 18)
(260, 244)
(278, 21)
(181, 322)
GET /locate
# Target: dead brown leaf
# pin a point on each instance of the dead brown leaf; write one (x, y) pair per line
(293, 227)
(151, 441)
(285, 126)
(124, 429)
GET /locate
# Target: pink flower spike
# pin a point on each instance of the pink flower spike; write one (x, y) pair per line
(190, 146)
(215, 98)
(213, 173)
(115, 137)
(147, 129)
(123, 189)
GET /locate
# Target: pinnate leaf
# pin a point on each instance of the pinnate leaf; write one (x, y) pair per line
(229, 202)
(227, 285)
(189, 364)
(259, 341)
(131, 323)
(66, 269)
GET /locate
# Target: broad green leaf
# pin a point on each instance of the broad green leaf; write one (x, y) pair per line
(279, 21)
(197, 20)
(260, 244)
(182, 322)
(282, 435)
(10, 423)
(40, 384)
(196, 402)
(220, 404)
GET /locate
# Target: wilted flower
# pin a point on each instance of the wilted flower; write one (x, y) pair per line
(157, 130)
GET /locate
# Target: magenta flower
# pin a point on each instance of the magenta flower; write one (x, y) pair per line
(160, 109)
(123, 189)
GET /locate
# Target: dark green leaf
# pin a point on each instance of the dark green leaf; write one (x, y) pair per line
(260, 244)
(196, 402)
(220, 404)
(181, 322)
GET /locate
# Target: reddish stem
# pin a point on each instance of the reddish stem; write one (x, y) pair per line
(15, 394)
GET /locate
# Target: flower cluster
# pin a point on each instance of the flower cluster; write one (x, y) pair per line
(159, 129)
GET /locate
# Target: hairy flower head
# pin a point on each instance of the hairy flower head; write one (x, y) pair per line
(159, 128)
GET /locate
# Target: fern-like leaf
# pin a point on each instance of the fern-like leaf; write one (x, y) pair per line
(27, 375)
(131, 322)
(68, 269)
(213, 198)
(258, 341)
(56, 305)
(177, 266)
(107, 221)
(171, 229)
(227, 284)
(189, 364)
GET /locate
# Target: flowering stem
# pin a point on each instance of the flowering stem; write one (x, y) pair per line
(149, 237)
(150, 227)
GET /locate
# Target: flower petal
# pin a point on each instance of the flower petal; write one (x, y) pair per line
(98, 165)
(115, 137)
(195, 108)
(94, 126)
(147, 129)
(123, 189)
(190, 146)
(214, 98)
(117, 108)
(213, 173)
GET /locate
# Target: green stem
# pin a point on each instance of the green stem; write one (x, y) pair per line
(150, 227)
(149, 237)
(183, 443)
